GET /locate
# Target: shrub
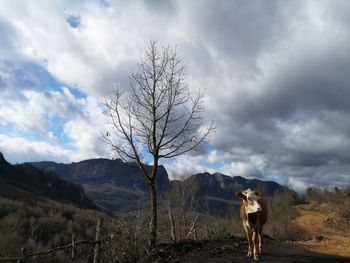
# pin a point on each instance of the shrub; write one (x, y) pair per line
(280, 218)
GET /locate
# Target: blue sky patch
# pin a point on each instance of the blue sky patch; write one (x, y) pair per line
(2, 83)
(57, 128)
(5, 127)
(45, 81)
(35, 77)
(104, 3)
(78, 94)
(73, 21)
(215, 165)
(11, 130)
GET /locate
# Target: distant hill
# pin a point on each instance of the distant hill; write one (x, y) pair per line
(113, 184)
(225, 187)
(105, 171)
(216, 192)
(117, 186)
(26, 182)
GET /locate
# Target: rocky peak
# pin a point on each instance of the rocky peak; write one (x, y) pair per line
(106, 171)
(2, 159)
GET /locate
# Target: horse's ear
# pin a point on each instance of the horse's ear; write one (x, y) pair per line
(241, 195)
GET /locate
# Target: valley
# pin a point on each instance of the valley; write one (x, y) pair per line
(43, 204)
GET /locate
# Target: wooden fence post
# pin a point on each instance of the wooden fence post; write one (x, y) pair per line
(193, 227)
(172, 227)
(195, 234)
(24, 255)
(208, 232)
(73, 248)
(97, 241)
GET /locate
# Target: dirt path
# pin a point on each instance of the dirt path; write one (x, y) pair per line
(335, 247)
(335, 242)
(233, 249)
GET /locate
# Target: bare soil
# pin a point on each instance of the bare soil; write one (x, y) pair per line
(325, 239)
(234, 249)
(325, 245)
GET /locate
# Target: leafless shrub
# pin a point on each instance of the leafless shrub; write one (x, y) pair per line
(126, 240)
(335, 203)
(280, 219)
(41, 225)
(180, 203)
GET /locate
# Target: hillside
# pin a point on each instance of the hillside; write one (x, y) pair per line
(26, 182)
(220, 237)
(324, 238)
(113, 185)
(216, 192)
(105, 171)
(41, 224)
(117, 186)
(223, 186)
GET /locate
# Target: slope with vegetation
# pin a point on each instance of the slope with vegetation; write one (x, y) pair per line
(24, 181)
(119, 187)
(189, 230)
(215, 193)
(114, 185)
(42, 224)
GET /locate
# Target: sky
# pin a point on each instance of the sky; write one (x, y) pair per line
(275, 75)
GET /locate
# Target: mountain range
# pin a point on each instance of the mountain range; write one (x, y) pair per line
(113, 185)
(27, 182)
(116, 186)
(216, 192)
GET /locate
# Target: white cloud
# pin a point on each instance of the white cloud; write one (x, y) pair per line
(35, 112)
(276, 77)
(31, 111)
(88, 56)
(26, 114)
(86, 132)
(19, 149)
(185, 166)
(314, 135)
(297, 184)
(245, 169)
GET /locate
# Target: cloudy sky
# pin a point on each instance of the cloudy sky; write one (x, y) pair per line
(276, 75)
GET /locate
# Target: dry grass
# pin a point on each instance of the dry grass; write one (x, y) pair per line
(47, 224)
(282, 212)
(41, 225)
(334, 203)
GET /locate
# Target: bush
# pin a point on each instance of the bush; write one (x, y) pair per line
(281, 214)
(40, 225)
(335, 203)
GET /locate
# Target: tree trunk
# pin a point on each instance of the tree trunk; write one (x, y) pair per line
(153, 222)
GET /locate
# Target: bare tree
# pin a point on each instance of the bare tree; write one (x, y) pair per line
(156, 117)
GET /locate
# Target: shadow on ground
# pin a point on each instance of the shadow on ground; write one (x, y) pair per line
(233, 249)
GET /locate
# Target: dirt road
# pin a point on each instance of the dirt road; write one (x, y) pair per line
(231, 250)
(334, 242)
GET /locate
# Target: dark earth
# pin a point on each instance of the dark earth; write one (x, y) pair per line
(234, 249)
